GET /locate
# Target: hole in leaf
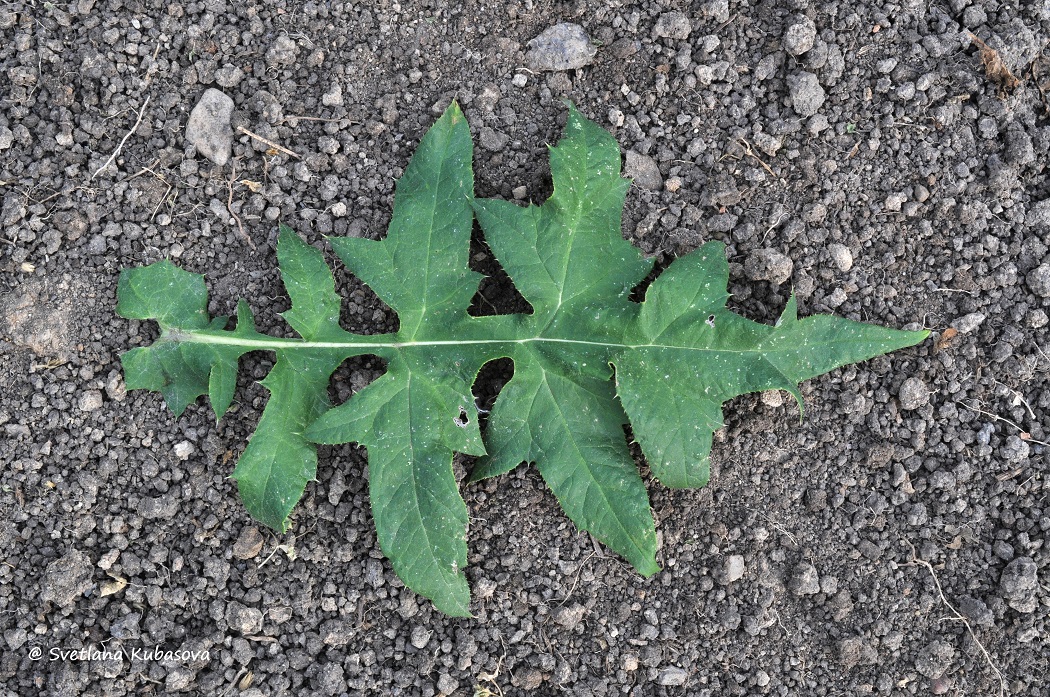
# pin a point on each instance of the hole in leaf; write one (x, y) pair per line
(462, 420)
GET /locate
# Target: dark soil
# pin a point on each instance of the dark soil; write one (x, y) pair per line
(870, 147)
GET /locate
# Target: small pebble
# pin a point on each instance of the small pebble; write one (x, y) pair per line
(246, 620)
(913, 394)
(643, 170)
(249, 543)
(968, 323)
(800, 36)
(420, 636)
(1039, 280)
(569, 616)
(768, 265)
(673, 25)
(841, 255)
(804, 581)
(446, 684)
(208, 128)
(672, 677)
(807, 96)
(184, 450)
(90, 401)
(733, 569)
(564, 46)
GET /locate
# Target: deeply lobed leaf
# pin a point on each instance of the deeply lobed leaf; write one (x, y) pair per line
(587, 360)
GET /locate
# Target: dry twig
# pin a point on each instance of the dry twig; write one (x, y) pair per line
(116, 152)
(958, 616)
(272, 144)
(229, 206)
(749, 151)
(1025, 435)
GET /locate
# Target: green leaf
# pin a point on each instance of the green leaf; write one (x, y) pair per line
(587, 360)
(692, 354)
(420, 267)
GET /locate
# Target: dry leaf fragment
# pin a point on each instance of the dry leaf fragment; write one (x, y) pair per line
(945, 339)
(994, 68)
(114, 586)
(255, 187)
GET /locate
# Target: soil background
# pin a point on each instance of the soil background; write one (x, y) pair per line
(865, 154)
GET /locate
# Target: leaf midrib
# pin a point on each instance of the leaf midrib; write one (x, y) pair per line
(282, 344)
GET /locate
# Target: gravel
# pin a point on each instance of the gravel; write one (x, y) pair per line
(885, 139)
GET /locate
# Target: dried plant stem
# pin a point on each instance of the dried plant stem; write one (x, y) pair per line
(916, 561)
(127, 135)
(229, 206)
(272, 144)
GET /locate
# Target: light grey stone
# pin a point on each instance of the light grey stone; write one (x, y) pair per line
(968, 323)
(208, 128)
(841, 255)
(1038, 216)
(807, 96)
(644, 170)
(733, 569)
(913, 394)
(1018, 584)
(564, 46)
(768, 265)
(804, 580)
(1039, 280)
(90, 400)
(800, 36)
(66, 579)
(673, 25)
(672, 677)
